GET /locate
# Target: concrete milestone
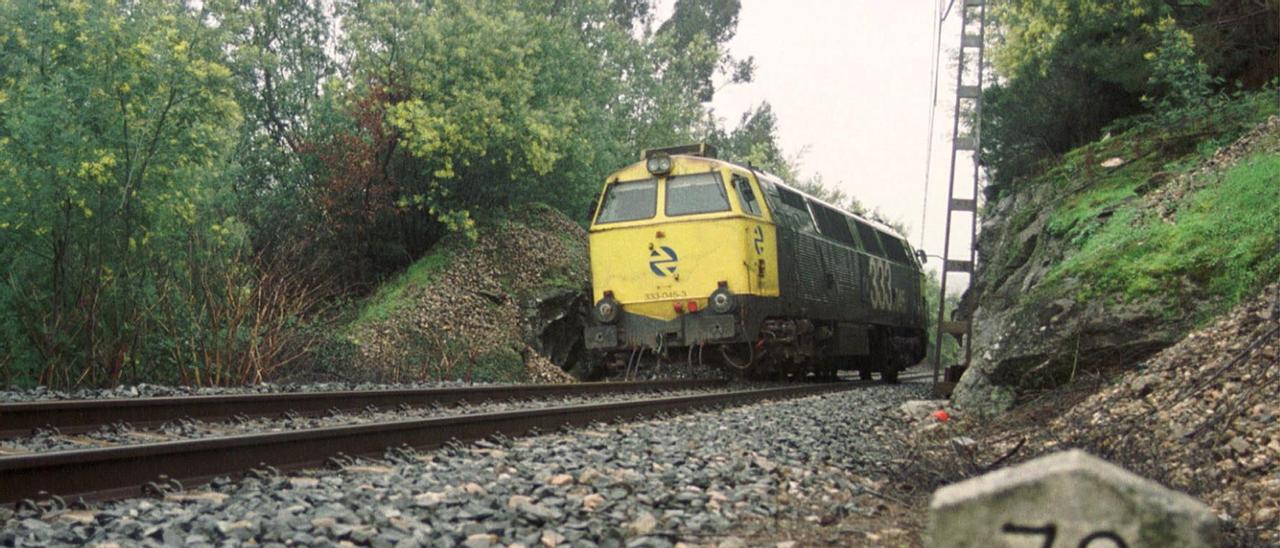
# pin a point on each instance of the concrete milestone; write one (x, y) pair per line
(1068, 499)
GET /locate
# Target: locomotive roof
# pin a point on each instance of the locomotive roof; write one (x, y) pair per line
(870, 222)
(778, 181)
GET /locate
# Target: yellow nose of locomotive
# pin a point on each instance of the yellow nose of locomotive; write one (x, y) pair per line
(662, 271)
(675, 247)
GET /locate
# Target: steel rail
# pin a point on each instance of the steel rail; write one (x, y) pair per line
(74, 416)
(119, 472)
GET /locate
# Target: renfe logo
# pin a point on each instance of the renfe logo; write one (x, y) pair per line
(663, 263)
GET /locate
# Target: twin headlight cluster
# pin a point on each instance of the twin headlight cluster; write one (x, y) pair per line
(608, 309)
(658, 165)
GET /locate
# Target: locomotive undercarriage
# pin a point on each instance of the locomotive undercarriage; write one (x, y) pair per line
(776, 349)
(800, 346)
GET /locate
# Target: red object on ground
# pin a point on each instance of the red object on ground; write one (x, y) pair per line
(941, 415)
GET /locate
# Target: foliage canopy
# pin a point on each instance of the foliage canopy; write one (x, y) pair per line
(181, 184)
(1066, 69)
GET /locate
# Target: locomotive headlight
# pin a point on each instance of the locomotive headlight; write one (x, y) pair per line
(659, 165)
(606, 311)
(721, 301)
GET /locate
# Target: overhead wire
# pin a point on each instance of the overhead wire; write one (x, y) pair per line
(939, 17)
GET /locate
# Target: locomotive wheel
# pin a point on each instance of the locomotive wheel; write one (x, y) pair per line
(864, 374)
(889, 375)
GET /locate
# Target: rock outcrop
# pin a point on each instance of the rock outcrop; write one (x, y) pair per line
(1036, 328)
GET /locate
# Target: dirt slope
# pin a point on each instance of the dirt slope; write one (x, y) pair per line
(506, 307)
(1201, 416)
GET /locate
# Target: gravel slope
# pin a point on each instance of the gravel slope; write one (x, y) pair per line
(696, 478)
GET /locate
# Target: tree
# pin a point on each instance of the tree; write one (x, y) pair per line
(279, 56)
(172, 173)
(1066, 69)
(951, 349)
(112, 138)
(459, 108)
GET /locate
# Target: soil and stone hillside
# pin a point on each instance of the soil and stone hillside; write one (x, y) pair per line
(507, 307)
(1199, 417)
(1119, 251)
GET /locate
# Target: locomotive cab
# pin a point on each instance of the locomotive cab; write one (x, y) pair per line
(680, 243)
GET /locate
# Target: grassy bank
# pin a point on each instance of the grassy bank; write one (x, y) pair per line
(1164, 208)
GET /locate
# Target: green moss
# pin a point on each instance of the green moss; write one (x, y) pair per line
(390, 296)
(1085, 213)
(1221, 243)
(1222, 239)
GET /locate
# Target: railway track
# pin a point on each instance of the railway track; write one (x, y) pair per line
(124, 471)
(77, 416)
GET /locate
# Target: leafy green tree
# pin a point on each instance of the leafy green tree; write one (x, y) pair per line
(1178, 78)
(113, 134)
(1066, 69)
(280, 57)
(697, 28)
(951, 350)
(175, 176)
(459, 108)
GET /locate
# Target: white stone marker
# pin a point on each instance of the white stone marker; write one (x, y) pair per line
(1067, 500)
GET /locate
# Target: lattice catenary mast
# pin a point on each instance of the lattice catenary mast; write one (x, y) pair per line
(965, 202)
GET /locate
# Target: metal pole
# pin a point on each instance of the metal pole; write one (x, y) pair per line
(977, 154)
(951, 190)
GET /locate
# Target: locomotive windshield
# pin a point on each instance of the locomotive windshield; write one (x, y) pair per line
(630, 201)
(697, 193)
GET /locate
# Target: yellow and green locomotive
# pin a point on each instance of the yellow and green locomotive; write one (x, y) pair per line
(701, 259)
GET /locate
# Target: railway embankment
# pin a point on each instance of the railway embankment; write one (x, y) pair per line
(1124, 247)
(1198, 417)
(505, 306)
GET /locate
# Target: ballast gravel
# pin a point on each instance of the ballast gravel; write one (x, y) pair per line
(42, 393)
(692, 478)
(44, 440)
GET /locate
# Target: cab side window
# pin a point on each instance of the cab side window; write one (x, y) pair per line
(746, 196)
(792, 211)
(832, 224)
(893, 249)
(870, 241)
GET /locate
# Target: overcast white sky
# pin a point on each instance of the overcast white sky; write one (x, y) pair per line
(850, 82)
